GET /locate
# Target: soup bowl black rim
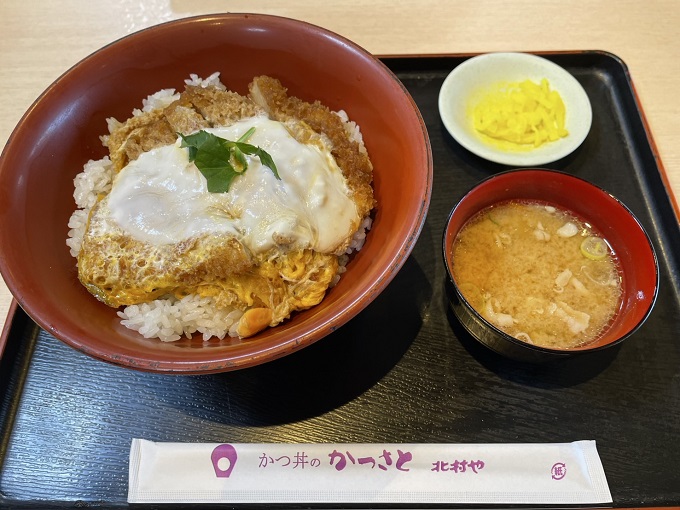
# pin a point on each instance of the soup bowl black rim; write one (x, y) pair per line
(497, 340)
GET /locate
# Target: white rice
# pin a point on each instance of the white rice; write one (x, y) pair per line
(160, 99)
(95, 179)
(211, 81)
(169, 319)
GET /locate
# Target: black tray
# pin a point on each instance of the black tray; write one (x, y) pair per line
(401, 371)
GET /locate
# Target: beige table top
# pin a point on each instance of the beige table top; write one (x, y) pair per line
(39, 40)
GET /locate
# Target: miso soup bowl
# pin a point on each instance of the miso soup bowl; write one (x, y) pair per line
(608, 215)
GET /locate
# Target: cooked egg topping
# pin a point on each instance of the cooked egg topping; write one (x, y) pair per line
(267, 247)
(161, 197)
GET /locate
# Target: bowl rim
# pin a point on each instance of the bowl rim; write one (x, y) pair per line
(509, 338)
(551, 152)
(18, 286)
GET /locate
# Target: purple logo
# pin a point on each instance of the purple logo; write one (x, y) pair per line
(223, 459)
(559, 471)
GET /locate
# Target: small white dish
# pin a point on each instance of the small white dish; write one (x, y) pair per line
(468, 81)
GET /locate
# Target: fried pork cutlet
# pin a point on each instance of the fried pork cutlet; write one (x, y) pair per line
(356, 166)
(197, 108)
(120, 270)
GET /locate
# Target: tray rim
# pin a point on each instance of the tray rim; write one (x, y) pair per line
(9, 320)
(15, 309)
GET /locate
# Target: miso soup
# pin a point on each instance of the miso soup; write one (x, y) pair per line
(538, 273)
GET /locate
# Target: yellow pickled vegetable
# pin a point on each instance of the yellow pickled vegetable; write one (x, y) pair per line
(525, 113)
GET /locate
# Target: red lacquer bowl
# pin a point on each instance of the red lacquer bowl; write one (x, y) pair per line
(590, 203)
(60, 132)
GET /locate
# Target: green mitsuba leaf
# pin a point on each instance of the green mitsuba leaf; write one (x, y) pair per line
(221, 160)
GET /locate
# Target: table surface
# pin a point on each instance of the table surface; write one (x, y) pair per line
(41, 40)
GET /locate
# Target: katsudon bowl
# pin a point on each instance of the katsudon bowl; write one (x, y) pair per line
(485, 311)
(61, 132)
